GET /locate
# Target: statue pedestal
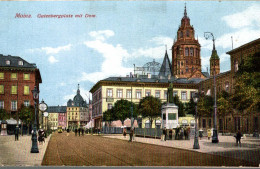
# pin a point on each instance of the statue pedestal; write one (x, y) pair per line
(169, 116)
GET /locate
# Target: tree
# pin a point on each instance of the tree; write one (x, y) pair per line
(121, 111)
(109, 115)
(205, 105)
(246, 97)
(3, 114)
(150, 107)
(190, 107)
(177, 102)
(224, 106)
(27, 115)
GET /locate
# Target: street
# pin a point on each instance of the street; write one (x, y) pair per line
(70, 150)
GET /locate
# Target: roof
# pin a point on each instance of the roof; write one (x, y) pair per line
(14, 62)
(206, 74)
(214, 54)
(154, 79)
(245, 45)
(166, 66)
(57, 109)
(221, 74)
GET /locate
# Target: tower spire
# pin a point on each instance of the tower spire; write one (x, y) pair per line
(78, 91)
(185, 11)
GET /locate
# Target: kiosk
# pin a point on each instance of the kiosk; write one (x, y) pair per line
(4, 128)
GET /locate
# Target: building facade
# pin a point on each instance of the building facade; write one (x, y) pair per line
(56, 117)
(106, 92)
(225, 81)
(17, 80)
(77, 112)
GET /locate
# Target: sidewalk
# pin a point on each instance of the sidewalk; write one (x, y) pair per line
(18, 153)
(250, 149)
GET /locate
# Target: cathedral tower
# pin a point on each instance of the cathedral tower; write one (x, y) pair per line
(214, 62)
(186, 61)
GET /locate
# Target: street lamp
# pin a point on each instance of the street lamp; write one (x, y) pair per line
(34, 148)
(208, 35)
(196, 140)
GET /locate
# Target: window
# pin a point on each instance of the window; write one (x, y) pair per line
(191, 51)
(227, 86)
(187, 69)
(119, 93)
(20, 63)
(147, 124)
(1, 104)
(14, 76)
(26, 76)
(2, 75)
(204, 123)
(157, 94)
(26, 103)
(26, 90)
(192, 94)
(175, 93)
(138, 94)
(187, 33)
(158, 124)
(14, 90)
(2, 91)
(181, 34)
(165, 94)
(147, 92)
(183, 95)
(7, 62)
(128, 93)
(171, 116)
(186, 51)
(109, 93)
(14, 105)
(109, 106)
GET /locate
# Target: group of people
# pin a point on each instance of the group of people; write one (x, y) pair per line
(41, 136)
(131, 134)
(78, 131)
(179, 132)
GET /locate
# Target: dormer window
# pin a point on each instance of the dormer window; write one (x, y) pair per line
(7, 62)
(20, 63)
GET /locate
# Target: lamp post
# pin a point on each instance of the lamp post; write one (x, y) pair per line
(208, 35)
(130, 138)
(34, 148)
(196, 140)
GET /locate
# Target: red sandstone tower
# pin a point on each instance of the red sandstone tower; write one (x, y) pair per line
(186, 61)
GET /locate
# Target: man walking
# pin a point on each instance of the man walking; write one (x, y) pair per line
(79, 131)
(164, 133)
(131, 134)
(16, 132)
(76, 131)
(82, 131)
(238, 138)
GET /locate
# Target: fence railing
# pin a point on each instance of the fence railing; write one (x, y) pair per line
(112, 130)
(148, 132)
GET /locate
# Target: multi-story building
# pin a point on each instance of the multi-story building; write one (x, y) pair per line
(225, 81)
(62, 117)
(56, 117)
(77, 112)
(17, 80)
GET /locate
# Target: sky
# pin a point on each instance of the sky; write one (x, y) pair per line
(72, 51)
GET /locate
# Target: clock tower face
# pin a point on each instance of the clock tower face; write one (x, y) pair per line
(42, 106)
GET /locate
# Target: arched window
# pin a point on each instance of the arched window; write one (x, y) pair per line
(187, 33)
(227, 86)
(181, 34)
(187, 69)
(186, 51)
(181, 63)
(147, 124)
(191, 51)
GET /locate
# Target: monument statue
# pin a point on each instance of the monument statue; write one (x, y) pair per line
(170, 94)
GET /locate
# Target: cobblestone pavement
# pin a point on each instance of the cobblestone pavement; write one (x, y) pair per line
(249, 150)
(18, 153)
(70, 150)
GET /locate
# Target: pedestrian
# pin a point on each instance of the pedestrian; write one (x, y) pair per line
(16, 132)
(170, 134)
(131, 135)
(82, 131)
(185, 133)
(209, 134)
(79, 131)
(238, 138)
(124, 132)
(76, 130)
(165, 133)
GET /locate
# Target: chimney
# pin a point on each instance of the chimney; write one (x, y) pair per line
(149, 75)
(169, 76)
